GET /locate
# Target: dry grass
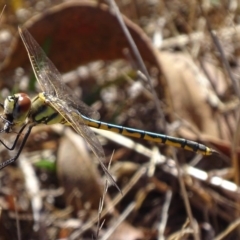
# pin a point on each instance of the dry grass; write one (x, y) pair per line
(55, 189)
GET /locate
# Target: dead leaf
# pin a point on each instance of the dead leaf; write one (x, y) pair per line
(78, 32)
(188, 92)
(77, 173)
(126, 231)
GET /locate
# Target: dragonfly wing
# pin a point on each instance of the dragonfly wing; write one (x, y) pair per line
(60, 96)
(49, 78)
(40, 65)
(76, 121)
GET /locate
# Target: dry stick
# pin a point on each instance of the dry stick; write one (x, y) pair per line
(224, 60)
(100, 210)
(235, 84)
(234, 155)
(164, 216)
(32, 187)
(144, 70)
(222, 54)
(135, 178)
(180, 234)
(99, 226)
(122, 217)
(182, 40)
(17, 220)
(228, 230)
(237, 92)
(2, 12)
(185, 198)
(138, 57)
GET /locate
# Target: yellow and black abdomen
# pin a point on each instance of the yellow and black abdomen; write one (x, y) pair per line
(43, 112)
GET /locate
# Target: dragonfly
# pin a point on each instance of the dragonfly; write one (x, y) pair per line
(57, 104)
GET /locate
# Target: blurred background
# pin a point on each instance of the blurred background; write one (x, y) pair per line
(191, 52)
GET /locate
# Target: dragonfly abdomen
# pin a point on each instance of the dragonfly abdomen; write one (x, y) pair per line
(150, 136)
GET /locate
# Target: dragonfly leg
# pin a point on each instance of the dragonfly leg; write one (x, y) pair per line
(16, 139)
(11, 160)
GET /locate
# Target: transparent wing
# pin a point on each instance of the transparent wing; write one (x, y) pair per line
(49, 78)
(76, 121)
(60, 96)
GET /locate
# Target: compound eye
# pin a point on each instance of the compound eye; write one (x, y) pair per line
(22, 107)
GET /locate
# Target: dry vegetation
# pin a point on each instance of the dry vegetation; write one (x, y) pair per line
(191, 53)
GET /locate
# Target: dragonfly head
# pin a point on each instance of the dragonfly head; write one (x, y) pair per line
(16, 108)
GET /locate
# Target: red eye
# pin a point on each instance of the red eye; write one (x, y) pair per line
(22, 106)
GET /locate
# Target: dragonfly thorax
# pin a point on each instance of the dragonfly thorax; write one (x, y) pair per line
(43, 111)
(16, 108)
